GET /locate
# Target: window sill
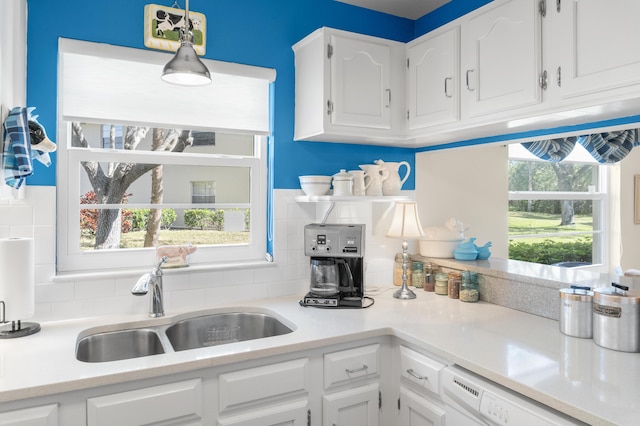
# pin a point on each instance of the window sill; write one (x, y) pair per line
(109, 273)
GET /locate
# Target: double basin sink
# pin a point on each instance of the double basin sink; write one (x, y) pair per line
(196, 331)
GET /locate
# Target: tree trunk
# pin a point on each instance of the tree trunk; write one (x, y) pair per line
(155, 215)
(565, 183)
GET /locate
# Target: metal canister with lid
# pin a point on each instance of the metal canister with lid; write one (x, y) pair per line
(576, 311)
(616, 318)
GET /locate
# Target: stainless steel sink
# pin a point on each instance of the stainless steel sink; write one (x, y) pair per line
(116, 345)
(219, 329)
(196, 331)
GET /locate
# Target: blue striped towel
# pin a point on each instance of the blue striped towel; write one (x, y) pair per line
(16, 155)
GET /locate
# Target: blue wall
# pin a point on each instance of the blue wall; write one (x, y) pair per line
(254, 32)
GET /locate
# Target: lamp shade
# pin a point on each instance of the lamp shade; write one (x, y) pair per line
(186, 69)
(406, 222)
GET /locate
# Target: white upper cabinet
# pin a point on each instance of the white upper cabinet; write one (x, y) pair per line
(349, 87)
(598, 45)
(433, 79)
(501, 57)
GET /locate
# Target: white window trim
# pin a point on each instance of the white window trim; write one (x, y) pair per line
(70, 259)
(601, 238)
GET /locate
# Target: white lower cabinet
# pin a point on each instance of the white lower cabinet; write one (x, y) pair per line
(46, 415)
(419, 402)
(178, 404)
(292, 413)
(352, 407)
(265, 395)
(416, 410)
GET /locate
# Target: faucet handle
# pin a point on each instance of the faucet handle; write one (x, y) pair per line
(163, 259)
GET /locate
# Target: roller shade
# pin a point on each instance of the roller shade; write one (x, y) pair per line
(108, 84)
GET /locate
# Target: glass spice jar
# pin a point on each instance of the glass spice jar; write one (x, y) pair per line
(442, 283)
(469, 291)
(417, 274)
(397, 269)
(455, 279)
(430, 271)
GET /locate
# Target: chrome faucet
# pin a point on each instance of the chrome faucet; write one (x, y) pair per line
(152, 279)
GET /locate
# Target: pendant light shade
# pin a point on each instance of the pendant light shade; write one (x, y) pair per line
(186, 69)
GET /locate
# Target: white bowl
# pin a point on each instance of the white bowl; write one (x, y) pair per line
(315, 185)
(442, 249)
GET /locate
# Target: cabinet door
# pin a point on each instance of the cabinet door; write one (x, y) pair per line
(419, 411)
(360, 83)
(46, 415)
(353, 407)
(434, 80)
(501, 57)
(286, 414)
(599, 45)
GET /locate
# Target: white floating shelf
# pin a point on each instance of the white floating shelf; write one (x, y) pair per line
(351, 198)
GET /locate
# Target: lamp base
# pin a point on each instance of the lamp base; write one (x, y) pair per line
(19, 329)
(404, 293)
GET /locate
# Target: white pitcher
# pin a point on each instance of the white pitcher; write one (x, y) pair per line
(378, 175)
(393, 184)
(361, 182)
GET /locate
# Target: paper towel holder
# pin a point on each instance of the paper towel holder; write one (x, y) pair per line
(16, 328)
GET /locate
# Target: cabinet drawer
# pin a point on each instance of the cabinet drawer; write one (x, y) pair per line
(154, 405)
(255, 384)
(420, 369)
(344, 366)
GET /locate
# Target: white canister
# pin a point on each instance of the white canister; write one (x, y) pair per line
(616, 318)
(576, 311)
(343, 183)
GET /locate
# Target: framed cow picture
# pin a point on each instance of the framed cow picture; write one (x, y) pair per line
(162, 26)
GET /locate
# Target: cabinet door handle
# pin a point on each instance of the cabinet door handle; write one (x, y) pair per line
(446, 87)
(416, 375)
(387, 100)
(467, 75)
(356, 370)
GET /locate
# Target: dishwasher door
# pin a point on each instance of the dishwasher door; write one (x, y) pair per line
(471, 400)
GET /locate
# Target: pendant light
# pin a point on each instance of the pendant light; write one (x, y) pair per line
(186, 69)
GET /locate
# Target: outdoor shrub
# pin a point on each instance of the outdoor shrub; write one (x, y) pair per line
(89, 217)
(139, 219)
(168, 217)
(198, 218)
(217, 219)
(549, 252)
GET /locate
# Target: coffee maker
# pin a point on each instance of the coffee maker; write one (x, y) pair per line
(337, 265)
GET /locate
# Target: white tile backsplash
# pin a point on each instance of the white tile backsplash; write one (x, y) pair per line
(58, 299)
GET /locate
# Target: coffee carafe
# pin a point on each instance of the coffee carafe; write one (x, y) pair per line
(328, 274)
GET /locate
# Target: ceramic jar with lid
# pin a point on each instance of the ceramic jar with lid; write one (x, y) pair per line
(342, 183)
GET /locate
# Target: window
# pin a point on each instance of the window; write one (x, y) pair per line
(557, 211)
(111, 137)
(203, 191)
(133, 174)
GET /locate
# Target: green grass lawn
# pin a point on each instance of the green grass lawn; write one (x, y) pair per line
(176, 237)
(543, 223)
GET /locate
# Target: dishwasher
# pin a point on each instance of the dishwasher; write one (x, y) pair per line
(471, 400)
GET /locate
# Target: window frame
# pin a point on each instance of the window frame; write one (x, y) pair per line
(70, 258)
(601, 237)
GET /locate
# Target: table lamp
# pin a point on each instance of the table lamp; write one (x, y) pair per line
(406, 225)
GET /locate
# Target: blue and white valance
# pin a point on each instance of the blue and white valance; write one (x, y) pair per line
(605, 148)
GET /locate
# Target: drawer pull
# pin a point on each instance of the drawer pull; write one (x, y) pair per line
(356, 370)
(416, 375)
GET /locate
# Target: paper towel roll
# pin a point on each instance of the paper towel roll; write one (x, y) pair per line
(17, 280)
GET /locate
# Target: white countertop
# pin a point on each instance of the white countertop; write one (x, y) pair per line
(523, 352)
